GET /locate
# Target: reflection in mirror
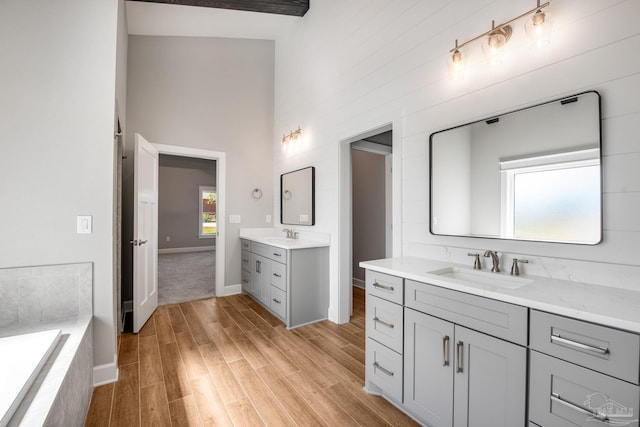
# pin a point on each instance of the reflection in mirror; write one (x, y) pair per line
(533, 174)
(297, 197)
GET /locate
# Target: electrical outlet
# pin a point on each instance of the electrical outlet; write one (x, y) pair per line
(168, 238)
(268, 219)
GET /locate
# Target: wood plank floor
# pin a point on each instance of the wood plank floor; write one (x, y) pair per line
(227, 361)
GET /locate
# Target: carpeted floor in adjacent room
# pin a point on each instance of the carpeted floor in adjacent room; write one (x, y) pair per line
(186, 276)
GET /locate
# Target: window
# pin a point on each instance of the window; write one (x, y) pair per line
(552, 198)
(207, 219)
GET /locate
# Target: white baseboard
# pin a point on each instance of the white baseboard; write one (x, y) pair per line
(107, 373)
(232, 290)
(358, 283)
(183, 250)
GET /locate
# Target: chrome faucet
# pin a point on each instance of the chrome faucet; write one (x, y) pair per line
(291, 234)
(494, 259)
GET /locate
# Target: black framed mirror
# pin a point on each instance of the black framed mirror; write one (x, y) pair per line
(533, 174)
(297, 197)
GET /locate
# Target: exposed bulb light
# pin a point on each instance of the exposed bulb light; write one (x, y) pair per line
(294, 135)
(496, 39)
(538, 28)
(456, 64)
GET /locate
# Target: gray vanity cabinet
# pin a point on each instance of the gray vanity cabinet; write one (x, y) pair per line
(291, 283)
(454, 376)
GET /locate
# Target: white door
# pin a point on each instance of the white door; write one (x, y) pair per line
(145, 232)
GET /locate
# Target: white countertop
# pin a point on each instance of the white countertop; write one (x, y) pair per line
(613, 307)
(275, 237)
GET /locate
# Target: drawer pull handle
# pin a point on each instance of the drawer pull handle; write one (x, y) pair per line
(245, 281)
(555, 397)
(388, 325)
(557, 339)
(445, 350)
(459, 351)
(386, 288)
(276, 254)
(258, 265)
(276, 301)
(384, 371)
(277, 275)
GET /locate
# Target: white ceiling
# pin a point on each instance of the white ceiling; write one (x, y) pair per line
(156, 19)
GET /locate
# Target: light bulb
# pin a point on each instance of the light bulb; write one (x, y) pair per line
(538, 29)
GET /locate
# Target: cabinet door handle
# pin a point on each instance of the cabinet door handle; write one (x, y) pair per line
(555, 397)
(459, 353)
(384, 371)
(276, 254)
(276, 301)
(386, 288)
(388, 325)
(557, 339)
(445, 350)
(258, 263)
(277, 275)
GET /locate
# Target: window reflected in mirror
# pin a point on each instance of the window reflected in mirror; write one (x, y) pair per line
(533, 174)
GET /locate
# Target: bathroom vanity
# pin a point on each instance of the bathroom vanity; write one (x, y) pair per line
(453, 346)
(289, 277)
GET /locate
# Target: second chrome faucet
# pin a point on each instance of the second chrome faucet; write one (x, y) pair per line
(494, 259)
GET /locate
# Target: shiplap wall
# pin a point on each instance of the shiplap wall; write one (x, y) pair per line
(352, 66)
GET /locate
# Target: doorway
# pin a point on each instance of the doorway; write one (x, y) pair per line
(371, 160)
(187, 228)
(127, 254)
(383, 141)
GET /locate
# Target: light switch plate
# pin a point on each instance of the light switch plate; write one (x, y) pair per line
(234, 219)
(84, 224)
(268, 219)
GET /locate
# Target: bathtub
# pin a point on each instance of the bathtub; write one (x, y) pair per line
(22, 357)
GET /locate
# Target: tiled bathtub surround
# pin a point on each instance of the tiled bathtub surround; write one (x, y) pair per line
(31, 296)
(53, 297)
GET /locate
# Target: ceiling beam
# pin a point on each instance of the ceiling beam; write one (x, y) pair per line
(280, 7)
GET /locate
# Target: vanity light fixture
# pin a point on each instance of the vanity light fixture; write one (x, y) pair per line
(537, 28)
(294, 135)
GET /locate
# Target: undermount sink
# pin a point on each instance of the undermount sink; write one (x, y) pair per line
(482, 278)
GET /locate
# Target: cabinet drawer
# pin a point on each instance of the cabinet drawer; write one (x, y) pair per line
(384, 369)
(563, 394)
(279, 275)
(596, 347)
(245, 260)
(384, 286)
(278, 302)
(497, 318)
(245, 245)
(245, 277)
(385, 322)
(271, 252)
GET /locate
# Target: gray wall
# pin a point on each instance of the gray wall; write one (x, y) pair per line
(57, 106)
(213, 94)
(368, 189)
(178, 201)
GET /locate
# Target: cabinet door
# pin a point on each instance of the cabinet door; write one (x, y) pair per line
(261, 277)
(428, 368)
(489, 381)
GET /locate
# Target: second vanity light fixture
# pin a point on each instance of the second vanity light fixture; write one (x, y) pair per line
(294, 135)
(537, 29)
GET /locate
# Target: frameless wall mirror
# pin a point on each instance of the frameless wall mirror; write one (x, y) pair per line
(532, 174)
(297, 197)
